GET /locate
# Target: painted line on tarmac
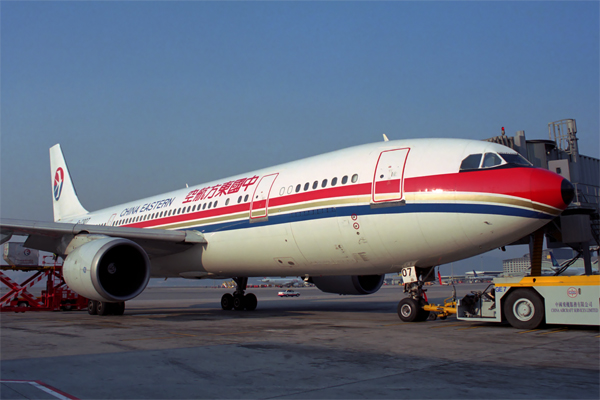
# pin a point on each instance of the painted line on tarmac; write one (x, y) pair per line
(175, 335)
(554, 331)
(446, 326)
(44, 388)
(469, 327)
(529, 331)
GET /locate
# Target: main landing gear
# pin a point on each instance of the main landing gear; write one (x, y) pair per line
(237, 300)
(105, 308)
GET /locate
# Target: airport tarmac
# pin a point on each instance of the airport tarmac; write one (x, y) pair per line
(176, 343)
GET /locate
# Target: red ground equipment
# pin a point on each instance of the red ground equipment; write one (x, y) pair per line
(56, 297)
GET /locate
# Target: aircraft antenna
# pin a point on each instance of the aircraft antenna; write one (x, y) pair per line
(385, 138)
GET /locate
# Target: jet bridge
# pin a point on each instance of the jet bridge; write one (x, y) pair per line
(578, 225)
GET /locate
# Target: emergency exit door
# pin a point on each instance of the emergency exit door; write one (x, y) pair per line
(389, 175)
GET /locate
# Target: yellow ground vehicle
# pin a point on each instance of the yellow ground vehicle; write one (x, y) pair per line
(527, 302)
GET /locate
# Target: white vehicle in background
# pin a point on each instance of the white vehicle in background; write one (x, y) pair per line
(288, 293)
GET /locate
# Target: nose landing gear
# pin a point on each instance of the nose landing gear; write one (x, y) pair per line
(410, 309)
(238, 300)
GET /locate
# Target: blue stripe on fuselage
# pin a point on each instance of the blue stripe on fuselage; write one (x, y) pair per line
(361, 210)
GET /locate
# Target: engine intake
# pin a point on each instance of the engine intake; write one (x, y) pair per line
(107, 269)
(350, 284)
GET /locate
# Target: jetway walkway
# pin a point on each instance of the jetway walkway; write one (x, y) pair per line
(579, 225)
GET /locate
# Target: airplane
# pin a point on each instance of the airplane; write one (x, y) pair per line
(566, 268)
(282, 281)
(342, 219)
(481, 276)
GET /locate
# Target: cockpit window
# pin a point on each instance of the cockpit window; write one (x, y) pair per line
(471, 162)
(491, 160)
(515, 159)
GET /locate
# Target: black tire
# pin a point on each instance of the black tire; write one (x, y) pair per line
(524, 309)
(227, 301)
(423, 315)
(251, 301)
(104, 308)
(92, 307)
(118, 308)
(408, 310)
(238, 303)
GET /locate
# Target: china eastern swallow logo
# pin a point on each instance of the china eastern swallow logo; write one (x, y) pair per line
(59, 178)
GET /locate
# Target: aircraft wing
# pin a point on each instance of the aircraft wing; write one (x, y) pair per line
(55, 236)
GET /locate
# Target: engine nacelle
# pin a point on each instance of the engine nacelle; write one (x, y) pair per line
(107, 269)
(351, 284)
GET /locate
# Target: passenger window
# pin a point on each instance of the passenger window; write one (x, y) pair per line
(204, 206)
(189, 208)
(214, 205)
(345, 179)
(491, 160)
(471, 162)
(315, 184)
(227, 202)
(324, 183)
(334, 182)
(281, 192)
(240, 198)
(306, 186)
(298, 187)
(354, 178)
(210, 204)
(290, 189)
(245, 198)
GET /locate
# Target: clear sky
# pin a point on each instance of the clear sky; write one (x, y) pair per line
(145, 97)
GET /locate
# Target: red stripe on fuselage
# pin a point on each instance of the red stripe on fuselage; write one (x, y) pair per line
(534, 184)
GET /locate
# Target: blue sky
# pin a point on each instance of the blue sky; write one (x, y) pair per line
(145, 97)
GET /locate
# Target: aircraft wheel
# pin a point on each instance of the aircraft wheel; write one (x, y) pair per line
(238, 303)
(227, 301)
(524, 309)
(103, 308)
(92, 307)
(408, 310)
(423, 315)
(118, 308)
(250, 301)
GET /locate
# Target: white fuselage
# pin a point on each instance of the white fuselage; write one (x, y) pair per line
(369, 209)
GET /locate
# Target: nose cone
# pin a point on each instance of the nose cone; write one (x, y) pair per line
(550, 189)
(568, 191)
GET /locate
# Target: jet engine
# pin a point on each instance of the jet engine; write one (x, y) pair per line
(107, 269)
(350, 284)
